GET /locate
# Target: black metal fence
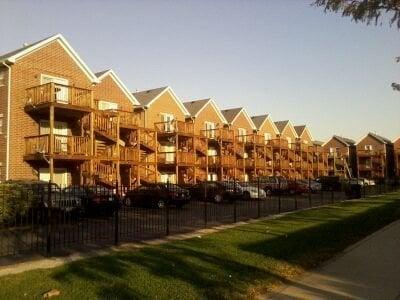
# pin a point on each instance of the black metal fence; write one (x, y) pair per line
(37, 217)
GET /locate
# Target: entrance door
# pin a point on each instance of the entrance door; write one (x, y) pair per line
(61, 89)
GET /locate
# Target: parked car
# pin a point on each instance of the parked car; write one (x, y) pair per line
(312, 184)
(157, 195)
(251, 191)
(216, 191)
(362, 181)
(96, 200)
(274, 184)
(297, 187)
(330, 183)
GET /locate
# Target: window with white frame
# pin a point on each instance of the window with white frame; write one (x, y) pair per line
(242, 134)
(267, 137)
(210, 127)
(167, 119)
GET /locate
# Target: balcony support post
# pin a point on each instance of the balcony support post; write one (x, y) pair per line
(51, 136)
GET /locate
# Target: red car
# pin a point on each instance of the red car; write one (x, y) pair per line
(297, 187)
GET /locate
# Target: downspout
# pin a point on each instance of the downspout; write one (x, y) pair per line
(8, 119)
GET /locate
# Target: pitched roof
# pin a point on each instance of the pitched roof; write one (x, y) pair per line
(13, 56)
(195, 106)
(259, 120)
(281, 125)
(120, 84)
(318, 143)
(145, 97)
(345, 141)
(299, 129)
(231, 114)
(381, 139)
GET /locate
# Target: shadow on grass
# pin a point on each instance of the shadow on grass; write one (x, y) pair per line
(226, 264)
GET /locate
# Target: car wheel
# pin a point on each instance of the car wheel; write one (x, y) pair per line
(218, 198)
(246, 195)
(160, 204)
(268, 192)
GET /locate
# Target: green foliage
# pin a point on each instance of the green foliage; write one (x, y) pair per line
(366, 11)
(15, 201)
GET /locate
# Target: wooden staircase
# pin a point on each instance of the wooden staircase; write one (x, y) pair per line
(104, 126)
(148, 173)
(148, 140)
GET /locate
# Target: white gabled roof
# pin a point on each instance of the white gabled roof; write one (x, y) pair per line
(121, 85)
(12, 57)
(265, 118)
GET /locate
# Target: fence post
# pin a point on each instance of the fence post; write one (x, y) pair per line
(295, 193)
(234, 201)
(49, 219)
(205, 205)
(279, 195)
(258, 198)
(116, 214)
(364, 187)
(309, 192)
(167, 211)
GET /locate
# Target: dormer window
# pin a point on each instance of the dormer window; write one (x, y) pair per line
(368, 147)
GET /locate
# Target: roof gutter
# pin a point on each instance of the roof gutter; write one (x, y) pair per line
(8, 120)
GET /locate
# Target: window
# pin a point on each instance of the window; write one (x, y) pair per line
(61, 89)
(368, 147)
(242, 134)
(167, 119)
(210, 127)
(107, 105)
(332, 150)
(2, 79)
(267, 137)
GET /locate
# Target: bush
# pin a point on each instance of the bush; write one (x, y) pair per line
(15, 201)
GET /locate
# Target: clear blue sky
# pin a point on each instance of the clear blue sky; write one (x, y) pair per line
(280, 57)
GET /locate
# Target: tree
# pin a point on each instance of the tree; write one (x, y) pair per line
(366, 11)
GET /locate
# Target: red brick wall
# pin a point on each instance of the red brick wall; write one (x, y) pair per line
(51, 60)
(3, 117)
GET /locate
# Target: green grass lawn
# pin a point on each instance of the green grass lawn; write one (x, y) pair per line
(234, 263)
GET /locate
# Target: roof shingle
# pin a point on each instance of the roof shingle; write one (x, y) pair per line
(145, 97)
(195, 106)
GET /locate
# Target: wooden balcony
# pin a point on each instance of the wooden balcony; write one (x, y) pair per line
(64, 147)
(370, 153)
(239, 149)
(175, 127)
(105, 173)
(253, 139)
(201, 161)
(214, 160)
(279, 143)
(105, 152)
(185, 158)
(148, 174)
(128, 154)
(166, 158)
(131, 120)
(228, 161)
(219, 134)
(62, 96)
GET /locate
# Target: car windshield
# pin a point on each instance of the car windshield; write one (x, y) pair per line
(100, 190)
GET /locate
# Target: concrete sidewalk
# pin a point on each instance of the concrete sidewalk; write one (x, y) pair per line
(369, 269)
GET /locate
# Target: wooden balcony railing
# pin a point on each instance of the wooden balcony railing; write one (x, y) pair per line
(239, 149)
(240, 163)
(201, 161)
(223, 134)
(166, 157)
(106, 125)
(148, 138)
(105, 152)
(185, 158)
(148, 173)
(105, 172)
(130, 119)
(228, 160)
(214, 160)
(59, 93)
(129, 154)
(175, 126)
(255, 139)
(62, 145)
(279, 143)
